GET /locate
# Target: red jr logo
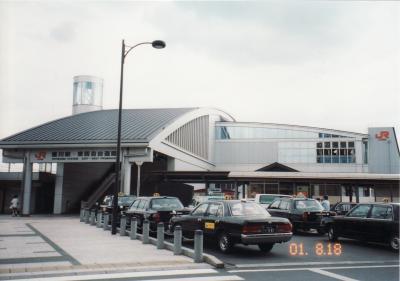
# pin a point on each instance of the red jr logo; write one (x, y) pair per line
(382, 135)
(40, 155)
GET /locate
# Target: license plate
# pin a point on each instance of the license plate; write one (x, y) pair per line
(269, 229)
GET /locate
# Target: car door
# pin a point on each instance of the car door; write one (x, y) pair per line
(378, 223)
(352, 225)
(211, 218)
(196, 218)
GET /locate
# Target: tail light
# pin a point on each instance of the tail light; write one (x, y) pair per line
(156, 217)
(252, 229)
(284, 227)
(305, 216)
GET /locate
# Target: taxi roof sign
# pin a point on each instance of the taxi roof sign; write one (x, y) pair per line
(156, 194)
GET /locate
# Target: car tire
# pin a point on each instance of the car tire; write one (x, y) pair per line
(266, 248)
(394, 243)
(332, 235)
(225, 243)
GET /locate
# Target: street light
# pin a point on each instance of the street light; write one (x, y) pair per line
(157, 44)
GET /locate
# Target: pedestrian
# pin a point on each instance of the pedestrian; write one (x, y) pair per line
(325, 203)
(14, 206)
(318, 199)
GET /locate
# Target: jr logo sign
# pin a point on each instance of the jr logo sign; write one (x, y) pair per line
(382, 135)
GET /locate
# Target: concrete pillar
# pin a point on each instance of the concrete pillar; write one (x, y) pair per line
(127, 177)
(139, 164)
(58, 190)
(26, 209)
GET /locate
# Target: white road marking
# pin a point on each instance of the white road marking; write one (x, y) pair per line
(311, 263)
(127, 275)
(302, 269)
(332, 275)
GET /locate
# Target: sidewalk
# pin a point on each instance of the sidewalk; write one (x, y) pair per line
(42, 246)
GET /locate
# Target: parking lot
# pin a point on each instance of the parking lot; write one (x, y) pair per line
(354, 261)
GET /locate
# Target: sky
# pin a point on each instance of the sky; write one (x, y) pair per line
(329, 64)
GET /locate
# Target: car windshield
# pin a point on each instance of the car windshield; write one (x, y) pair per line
(126, 200)
(166, 203)
(267, 199)
(247, 209)
(307, 204)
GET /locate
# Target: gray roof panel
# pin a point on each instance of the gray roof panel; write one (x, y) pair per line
(138, 125)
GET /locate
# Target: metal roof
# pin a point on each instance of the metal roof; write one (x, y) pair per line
(97, 127)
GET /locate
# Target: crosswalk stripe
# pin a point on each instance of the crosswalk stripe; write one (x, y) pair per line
(124, 275)
(332, 275)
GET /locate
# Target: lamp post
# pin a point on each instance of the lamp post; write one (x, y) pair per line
(157, 44)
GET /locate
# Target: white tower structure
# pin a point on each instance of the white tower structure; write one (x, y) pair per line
(88, 94)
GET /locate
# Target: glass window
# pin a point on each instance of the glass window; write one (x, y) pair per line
(275, 204)
(215, 210)
(113, 153)
(247, 209)
(342, 144)
(266, 199)
(93, 153)
(86, 153)
(319, 144)
(284, 205)
(142, 204)
(100, 153)
(107, 153)
(350, 144)
(135, 204)
(166, 204)
(327, 144)
(80, 153)
(67, 154)
(200, 210)
(381, 212)
(307, 204)
(54, 154)
(61, 154)
(335, 144)
(361, 211)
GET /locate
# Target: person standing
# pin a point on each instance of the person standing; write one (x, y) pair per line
(14, 206)
(325, 203)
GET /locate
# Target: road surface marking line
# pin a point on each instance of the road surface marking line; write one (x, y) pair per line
(310, 263)
(332, 275)
(122, 275)
(302, 269)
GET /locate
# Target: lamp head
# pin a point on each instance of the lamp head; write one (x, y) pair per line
(158, 44)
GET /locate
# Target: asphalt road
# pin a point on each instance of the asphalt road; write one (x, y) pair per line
(309, 256)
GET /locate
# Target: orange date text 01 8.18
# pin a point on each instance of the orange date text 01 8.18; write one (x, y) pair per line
(319, 249)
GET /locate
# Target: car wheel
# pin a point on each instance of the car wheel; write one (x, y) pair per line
(265, 247)
(332, 234)
(394, 243)
(225, 243)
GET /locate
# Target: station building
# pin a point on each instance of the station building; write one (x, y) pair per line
(170, 149)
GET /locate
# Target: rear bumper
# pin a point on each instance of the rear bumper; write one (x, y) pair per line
(303, 225)
(265, 238)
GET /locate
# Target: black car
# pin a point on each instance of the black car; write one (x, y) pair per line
(370, 222)
(303, 213)
(124, 202)
(233, 221)
(155, 209)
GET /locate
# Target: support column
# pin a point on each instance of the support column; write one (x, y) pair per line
(58, 190)
(26, 209)
(127, 177)
(139, 164)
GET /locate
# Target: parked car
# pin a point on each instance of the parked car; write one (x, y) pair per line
(155, 209)
(341, 208)
(266, 199)
(303, 213)
(233, 221)
(370, 222)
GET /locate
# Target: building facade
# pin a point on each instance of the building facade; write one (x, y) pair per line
(163, 148)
